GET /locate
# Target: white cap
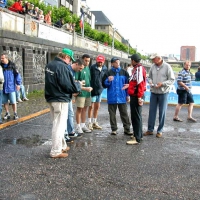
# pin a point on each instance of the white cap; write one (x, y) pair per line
(155, 55)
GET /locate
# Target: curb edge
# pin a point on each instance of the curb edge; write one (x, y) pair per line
(25, 118)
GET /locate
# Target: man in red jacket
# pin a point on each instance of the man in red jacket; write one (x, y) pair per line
(137, 87)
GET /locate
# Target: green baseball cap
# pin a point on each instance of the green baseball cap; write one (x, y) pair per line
(69, 52)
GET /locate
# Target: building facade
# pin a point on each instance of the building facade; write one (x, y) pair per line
(188, 53)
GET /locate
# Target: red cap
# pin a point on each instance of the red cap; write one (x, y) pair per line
(100, 58)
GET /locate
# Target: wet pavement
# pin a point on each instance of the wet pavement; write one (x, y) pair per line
(101, 166)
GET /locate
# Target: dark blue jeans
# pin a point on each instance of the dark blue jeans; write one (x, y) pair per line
(70, 119)
(160, 101)
(0, 103)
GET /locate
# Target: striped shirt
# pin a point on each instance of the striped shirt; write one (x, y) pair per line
(185, 77)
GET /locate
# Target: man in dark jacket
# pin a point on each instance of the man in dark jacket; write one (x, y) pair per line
(59, 87)
(97, 72)
(12, 82)
(116, 82)
(59, 23)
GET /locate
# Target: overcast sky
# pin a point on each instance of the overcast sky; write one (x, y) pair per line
(161, 26)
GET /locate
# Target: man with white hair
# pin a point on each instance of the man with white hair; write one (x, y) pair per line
(161, 77)
(185, 96)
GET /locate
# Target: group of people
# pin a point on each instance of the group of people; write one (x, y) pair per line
(36, 13)
(30, 9)
(68, 80)
(11, 87)
(64, 81)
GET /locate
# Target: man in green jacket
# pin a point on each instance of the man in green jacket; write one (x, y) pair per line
(83, 100)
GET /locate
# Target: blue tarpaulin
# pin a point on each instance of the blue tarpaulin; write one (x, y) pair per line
(172, 97)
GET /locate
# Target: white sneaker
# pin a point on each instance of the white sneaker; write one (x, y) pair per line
(90, 125)
(86, 129)
(19, 100)
(79, 130)
(96, 125)
(132, 142)
(25, 99)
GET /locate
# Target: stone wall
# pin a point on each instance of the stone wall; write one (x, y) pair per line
(31, 54)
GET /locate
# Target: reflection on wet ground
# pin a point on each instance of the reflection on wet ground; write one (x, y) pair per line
(35, 140)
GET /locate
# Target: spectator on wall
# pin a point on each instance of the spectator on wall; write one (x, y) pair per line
(3, 3)
(47, 18)
(68, 26)
(27, 6)
(17, 7)
(35, 14)
(31, 10)
(41, 16)
(59, 23)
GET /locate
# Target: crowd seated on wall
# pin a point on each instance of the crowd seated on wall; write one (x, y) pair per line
(27, 8)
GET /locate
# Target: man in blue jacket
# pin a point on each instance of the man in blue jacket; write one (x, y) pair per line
(12, 82)
(116, 82)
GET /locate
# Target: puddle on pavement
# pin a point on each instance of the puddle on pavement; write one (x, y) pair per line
(78, 143)
(35, 140)
(86, 143)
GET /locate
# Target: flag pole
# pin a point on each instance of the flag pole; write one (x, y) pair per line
(83, 25)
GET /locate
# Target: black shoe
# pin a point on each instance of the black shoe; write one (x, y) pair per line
(7, 116)
(78, 135)
(68, 139)
(128, 133)
(15, 116)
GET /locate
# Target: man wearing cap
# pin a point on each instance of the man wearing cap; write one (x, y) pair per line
(161, 77)
(59, 87)
(97, 72)
(116, 81)
(137, 87)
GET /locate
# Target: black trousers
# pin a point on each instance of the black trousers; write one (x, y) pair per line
(136, 118)
(112, 108)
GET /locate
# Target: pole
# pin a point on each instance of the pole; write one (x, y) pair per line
(83, 25)
(113, 41)
(128, 47)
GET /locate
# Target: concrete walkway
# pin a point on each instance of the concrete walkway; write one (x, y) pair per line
(100, 166)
